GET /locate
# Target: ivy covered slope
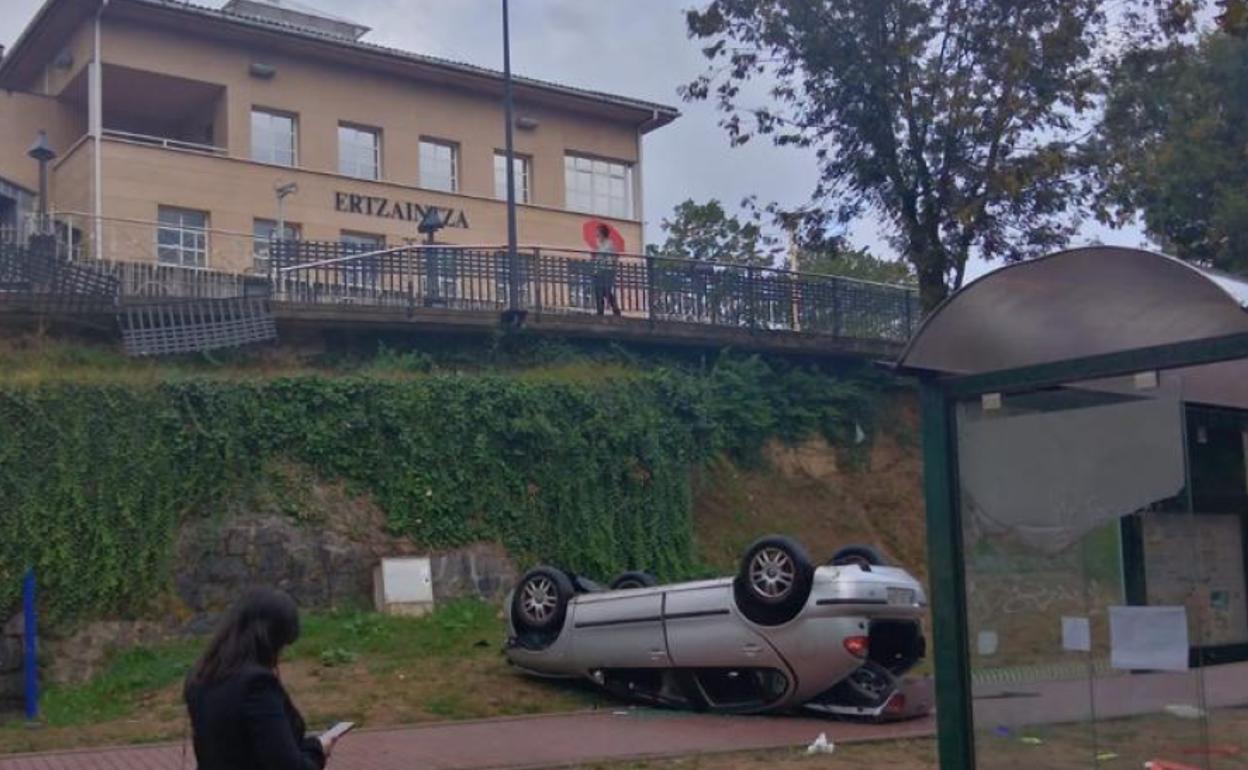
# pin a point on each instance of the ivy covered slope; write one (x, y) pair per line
(592, 473)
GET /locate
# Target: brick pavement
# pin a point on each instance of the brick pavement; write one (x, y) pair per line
(522, 742)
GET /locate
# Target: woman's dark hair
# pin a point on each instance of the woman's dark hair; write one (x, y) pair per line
(604, 231)
(253, 632)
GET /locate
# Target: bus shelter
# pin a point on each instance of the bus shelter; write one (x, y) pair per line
(1085, 441)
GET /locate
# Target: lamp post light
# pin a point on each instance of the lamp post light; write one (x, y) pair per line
(430, 224)
(42, 152)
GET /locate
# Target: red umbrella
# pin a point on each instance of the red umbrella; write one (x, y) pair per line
(590, 232)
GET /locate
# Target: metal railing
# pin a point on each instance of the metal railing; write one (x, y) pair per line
(165, 142)
(137, 242)
(478, 278)
(566, 281)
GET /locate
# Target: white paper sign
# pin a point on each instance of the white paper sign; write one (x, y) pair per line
(1148, 638)
(987, 643)
(1076, 634)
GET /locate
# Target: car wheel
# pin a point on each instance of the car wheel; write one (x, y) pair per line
(774, 581)
(862, 555)
(872, 683)
(541, 600)
(633, 580)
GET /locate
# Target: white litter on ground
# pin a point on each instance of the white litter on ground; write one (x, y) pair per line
(821, 745)
(1184, 711)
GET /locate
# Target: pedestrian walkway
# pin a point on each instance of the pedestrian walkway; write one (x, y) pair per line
(523, 742)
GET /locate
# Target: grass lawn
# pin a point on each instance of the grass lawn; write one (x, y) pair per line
(372, 669)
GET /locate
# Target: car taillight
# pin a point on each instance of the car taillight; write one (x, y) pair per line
(896, 704)
(856, 646)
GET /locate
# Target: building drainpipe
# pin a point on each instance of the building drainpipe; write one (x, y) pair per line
(638, 192)
(95, 106)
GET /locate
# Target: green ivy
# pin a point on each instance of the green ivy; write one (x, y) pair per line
(96, 479)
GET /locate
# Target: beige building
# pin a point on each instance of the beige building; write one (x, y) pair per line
(176, 124)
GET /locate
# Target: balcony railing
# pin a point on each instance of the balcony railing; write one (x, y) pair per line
(564, 281)
(165, 142)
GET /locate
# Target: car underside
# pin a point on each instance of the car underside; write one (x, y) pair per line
(782, 634)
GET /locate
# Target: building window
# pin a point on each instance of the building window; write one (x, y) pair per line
(522, 165)
(182, 237)
(359, 152)
(264, 232)
(364, 272)
(600, 187)
(439, 165)
(362, 242)
(274, 138)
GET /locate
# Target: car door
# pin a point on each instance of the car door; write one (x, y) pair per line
(705, 631)
(619, 629)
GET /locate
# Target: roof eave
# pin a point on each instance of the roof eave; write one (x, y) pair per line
(658, 119)
(24, 54)
(648, 115)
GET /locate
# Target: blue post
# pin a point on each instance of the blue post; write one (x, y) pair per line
(29, 657)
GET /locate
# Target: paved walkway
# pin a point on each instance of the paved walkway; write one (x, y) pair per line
(523, 742)
(1112, 695)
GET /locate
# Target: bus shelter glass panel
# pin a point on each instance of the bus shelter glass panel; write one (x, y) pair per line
(1088, 578)
(1217, 439)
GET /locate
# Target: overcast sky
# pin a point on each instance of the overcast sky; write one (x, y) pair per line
(631, 47)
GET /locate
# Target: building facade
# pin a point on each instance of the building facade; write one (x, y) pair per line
(177, 125)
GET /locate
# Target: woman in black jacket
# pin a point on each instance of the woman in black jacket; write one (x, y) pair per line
(241, 716)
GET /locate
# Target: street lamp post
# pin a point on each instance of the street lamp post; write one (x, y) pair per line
(429, 226)
(282, 191)
(42, 152)
(513, 256)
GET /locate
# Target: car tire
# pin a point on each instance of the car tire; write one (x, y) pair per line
(774, 581)
(540, 602)
(635, 579)
(863, 555)
(872, 685)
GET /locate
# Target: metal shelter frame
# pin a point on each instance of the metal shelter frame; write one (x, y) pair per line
(941, 388)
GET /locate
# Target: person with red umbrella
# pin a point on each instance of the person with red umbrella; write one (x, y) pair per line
(605, 263)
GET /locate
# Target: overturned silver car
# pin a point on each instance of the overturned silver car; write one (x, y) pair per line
(781, 634)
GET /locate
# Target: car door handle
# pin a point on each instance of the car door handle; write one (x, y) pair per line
(751, 649)
(657, 654)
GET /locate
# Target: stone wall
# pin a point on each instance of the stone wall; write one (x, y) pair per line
(319, 566)
(484, 571)
(11, 677)
(322, 566)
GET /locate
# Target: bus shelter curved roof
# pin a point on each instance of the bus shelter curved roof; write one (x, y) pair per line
(1087, 302)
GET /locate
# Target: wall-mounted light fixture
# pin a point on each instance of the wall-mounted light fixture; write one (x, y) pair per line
(525, 123)
(262, 71)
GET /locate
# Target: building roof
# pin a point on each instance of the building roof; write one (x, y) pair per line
(299, 15)
(57, 19)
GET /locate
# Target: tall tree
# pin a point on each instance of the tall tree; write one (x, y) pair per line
(705, 231)
(1233, 17)
(1173, 147)
(852, 263)
(950, 119)
(764, 235)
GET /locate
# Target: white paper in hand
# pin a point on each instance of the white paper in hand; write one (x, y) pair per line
(337, 731)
